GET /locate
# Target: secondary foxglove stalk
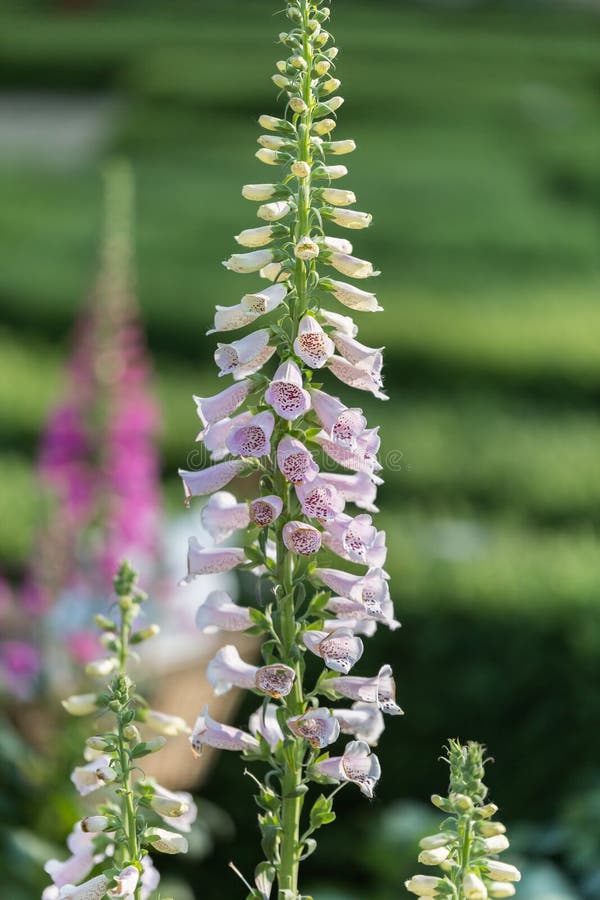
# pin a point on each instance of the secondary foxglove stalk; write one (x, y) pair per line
(469, 841)
(129, 817)
(305, 525)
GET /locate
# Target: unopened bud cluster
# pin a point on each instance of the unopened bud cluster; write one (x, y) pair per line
(127, 824)
(469, 840)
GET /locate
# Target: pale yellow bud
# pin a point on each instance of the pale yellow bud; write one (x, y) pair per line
(474, 888)
(423, 885)
(298, 105)
(81, 704)
(501, 889)
(280, 81)
(306, 248)
(462, 802)
(488, 829)
(498, 843)
(281, 66)
(298, 62)
(500, 871)
(332, 52)
(487, 811)
(436, 840)
(322, 67)
(100, 668)
(269, 157)
(324, 126)
(433, 857)
(300, 169)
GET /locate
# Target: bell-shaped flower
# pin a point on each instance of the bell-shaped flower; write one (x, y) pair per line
(79, 865)
(214, 436)
(358, 489)
(253, 438)
(150, 878)
(209, 733)
(341, 323)
(301, 538)
(167, 841)
(306, 248)
(300, 168)
(223, 515)
(317, 726)
(349, 218)
(351, 296)
(357, 765)
(274, 142)
(93, 775)
(211, 560)
(339, 148)
(246, 356)
(340, 650)
(94, 889)
(259, 191)
(227, 669)
(342, 424)
(271, 157)
(125, 882)
(264, 510)
(362, 376)
(273, 212)
(370, 590)
(80, 704)
(264, 722)
(257, 237)
(272, 123)
(286, 393)
(360, 458)
(357, 625)
(220, 613)
(349, 265)
(313, 345)
(380, 689)
(319, 500)
(276, 680)
(473, 887)
(163, 723)
(364, 721)
(496, 889)
(377, 611)
(337, 196)
(423, 885)
(340, 245)
(356, 539)
(295, 461)
(355, 352)
(332, 173)
(501, 871)
(265, 301)
(245, 263)
(213, 409)
(230, 318)
(207, 481)
(181, 801)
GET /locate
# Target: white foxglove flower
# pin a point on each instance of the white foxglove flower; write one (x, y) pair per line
(271, 123)
(246, 263)
(334, 104)
(301, 538)
(223, 515)
(362, 376)
(337, 196)
(211, 560)
(434, 857)
(265, 510)
(332, 173)
(246, 356)
(339, 148)
(300, 169)
(252, 438)
(270, 157)
(220, 613)
(93, 775)
(339, 650)
(259, 191)
(162, 723)
(423, 885)
(355, 352)
(286, 393)
(473, 887)
(501, 871)
(126, 883)
(357, 765)
(81, 704)
(340, 245)
(256, 237)
(167, 841)
(79, 865)
(342, 424)
(343, 324)
(274, 142)
(276, 680)
(358, 625)
(227, 669)
(319, 500)
(92, 825)
(306, 248)
(295, 461)
(360, 458)
(230, 318)
(350, 265)
(317, 726)
(364, 721)
(298, 105)
(94, 889)
(356, 539)
(357, 488)
(211, 479)
(273, 212)
(214, 436)
(350, 218)
(499, 889)
(313, 345)
(264, 301)
(351, 296)
(213, 409)
(209, 733)
(380, 689)
(264, 722)
(498, 843)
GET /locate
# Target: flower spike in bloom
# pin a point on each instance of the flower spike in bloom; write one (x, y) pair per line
(286, 393)
(357, 765)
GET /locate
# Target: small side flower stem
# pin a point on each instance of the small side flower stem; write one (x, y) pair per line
(129, 813)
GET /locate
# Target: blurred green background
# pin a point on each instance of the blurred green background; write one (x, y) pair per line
(479, 145)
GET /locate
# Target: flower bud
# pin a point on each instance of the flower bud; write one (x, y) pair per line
(298, 62)
(298, 105)
(170, 726)
(436, 840)
(300, 169)
(96, 742)
(334, 104)
(81, 704)
(270, 157)
(281, 66)
(322, 67)
(473, 887)
(280, 81)
(498, 843)
(144, 634)
(131, 733)
(271, 123)
(171, 807)
(488, 829)
(93, 824)
(332, 52)
(423, 885)
(306, 248)
(433, 857)
(461, 802)
(441, 803)
(167, 841)
(100, 668)
(487, 811)
(339, 148)
(500, 871)
(105, 623)
(324, 126)
(273, 141)
(321, 39)
(329, 86)
(501, 889)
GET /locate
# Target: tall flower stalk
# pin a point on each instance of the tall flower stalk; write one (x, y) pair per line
(469, 841)
(110, 849)
(322, 581)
